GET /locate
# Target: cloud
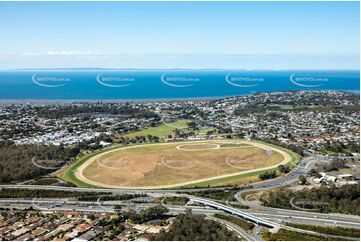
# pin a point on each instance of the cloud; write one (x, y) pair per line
(88, 58)
(62, 53)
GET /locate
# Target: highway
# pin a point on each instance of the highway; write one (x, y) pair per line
(243, 233)
(265, 216)
(259, 221)
(257, 233)
(303, 167)
(277, 215)
(234, 211)
(294, 216)
(320, 219)
(103, 190)
(270, 221)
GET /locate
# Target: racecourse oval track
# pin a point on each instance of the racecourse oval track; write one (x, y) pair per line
(176, 164)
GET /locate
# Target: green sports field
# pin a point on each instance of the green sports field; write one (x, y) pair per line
(166, 129)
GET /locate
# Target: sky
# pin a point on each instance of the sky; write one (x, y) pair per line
(222, 35)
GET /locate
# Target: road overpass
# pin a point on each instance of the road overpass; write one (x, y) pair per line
(258, 220)
(234, 211)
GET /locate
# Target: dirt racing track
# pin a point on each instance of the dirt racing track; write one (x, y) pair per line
(169, 165)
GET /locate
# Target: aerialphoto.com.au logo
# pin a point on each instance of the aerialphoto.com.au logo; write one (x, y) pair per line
(115, 79)
(307, 81)
(108, 206)
(170, 121)
(46, 164)
(239, 163)
(243, 80)
(179, 80)
(50, 80)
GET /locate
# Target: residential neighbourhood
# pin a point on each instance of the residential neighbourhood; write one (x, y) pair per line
(316, 121)
(321, 128)
(180, 120)
(71, 226)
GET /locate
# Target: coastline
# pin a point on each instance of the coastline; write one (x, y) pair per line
(145, 100)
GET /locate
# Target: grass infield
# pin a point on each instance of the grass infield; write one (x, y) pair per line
(162, 173)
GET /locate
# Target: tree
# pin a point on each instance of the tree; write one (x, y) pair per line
(188, 226)
(267, 175)
(283, 169)
(345, 199)
(151, 213)
(192, 125)
(117, 207)
(302, 179)
(156, 211)
(313, 172)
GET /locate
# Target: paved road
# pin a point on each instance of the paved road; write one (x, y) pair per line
(235, 211)
(270, 223)
(172, 211)
(257, 219)
(69, 205)
(320, 219)
(300, 169)
(109, 190)
(257, 233)
(243, 233)
(296, 216)
(262, 213)
(303, 167)
(277, 215)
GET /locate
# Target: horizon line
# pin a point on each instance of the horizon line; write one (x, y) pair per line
(192, 69)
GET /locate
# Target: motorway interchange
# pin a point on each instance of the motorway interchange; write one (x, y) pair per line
(263, 217)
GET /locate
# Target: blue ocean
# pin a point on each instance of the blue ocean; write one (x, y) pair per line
(103, 84)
